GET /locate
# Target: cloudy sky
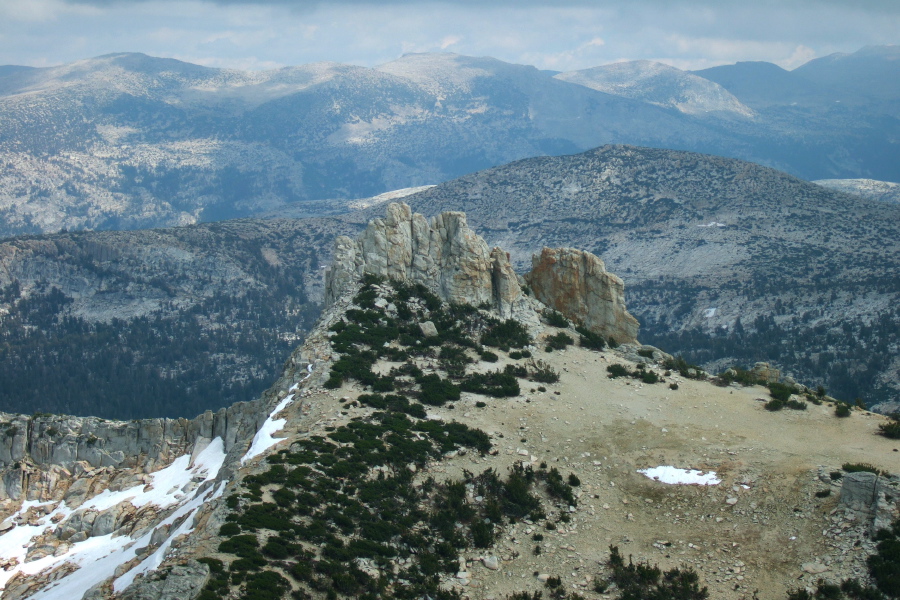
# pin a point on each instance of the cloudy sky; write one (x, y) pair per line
(551, 34)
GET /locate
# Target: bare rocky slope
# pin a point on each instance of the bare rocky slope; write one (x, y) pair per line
(419, 447)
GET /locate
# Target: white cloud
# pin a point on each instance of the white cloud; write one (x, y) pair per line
(450, 40)
(566, 35)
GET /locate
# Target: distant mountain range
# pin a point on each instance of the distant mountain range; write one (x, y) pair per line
(724, 261)
(130, 141)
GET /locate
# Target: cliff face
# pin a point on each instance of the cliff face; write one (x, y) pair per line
(39, 454)
(576, 283)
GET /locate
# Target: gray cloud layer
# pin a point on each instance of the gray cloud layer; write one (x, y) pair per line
(553, 34)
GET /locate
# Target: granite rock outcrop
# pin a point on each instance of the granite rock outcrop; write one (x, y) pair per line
(443, 254)
(577, 284)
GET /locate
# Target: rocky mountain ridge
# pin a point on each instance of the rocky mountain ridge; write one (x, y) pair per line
(726, 262)
(56, 468)
(719, 255)
(185, 515)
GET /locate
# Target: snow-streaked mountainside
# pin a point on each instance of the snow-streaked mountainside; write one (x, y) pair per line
(132, 141)
(660, 84)
(885, 191)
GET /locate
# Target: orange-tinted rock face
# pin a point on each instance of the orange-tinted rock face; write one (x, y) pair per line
(576, 283)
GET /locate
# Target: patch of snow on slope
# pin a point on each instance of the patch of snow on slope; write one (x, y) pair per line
(387, 197)
(103, 554)
(264, 438)
(187, 526)
(675, 476)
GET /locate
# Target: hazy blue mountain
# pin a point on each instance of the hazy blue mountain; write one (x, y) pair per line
(130, 141)
(662, 85)
(761, 84)
(872, 72)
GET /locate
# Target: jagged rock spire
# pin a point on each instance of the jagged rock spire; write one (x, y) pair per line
(444, 255)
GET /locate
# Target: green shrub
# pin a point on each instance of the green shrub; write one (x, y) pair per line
(642, 580)
(555, 318)
(649, 377)
(774, 404)
(560, 341)
(482, 534)
(557, 488)
(616, 370)
(544, 373)
(884, 565)
(497, 384)
(645, 353)
(215, 565)
(890, 430)
(488, 356)
(383, 384)
(782, 391)
(862, 468)
(590, 340)
(685, 368)
(245, 546)
(436, 391)
(516, 370)
(842, 410)
(506, 334)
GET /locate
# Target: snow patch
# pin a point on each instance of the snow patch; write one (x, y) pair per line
(713, 224)
(709, 313)
(264, 438)
(676, 476)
